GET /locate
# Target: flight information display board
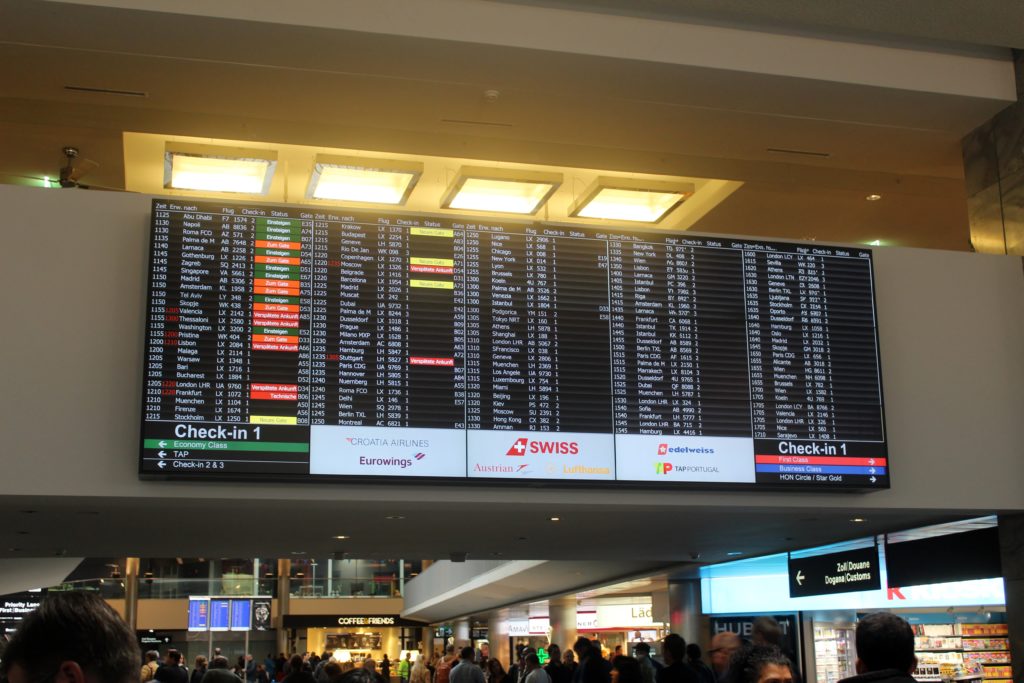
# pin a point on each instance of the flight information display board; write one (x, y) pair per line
(296, 341)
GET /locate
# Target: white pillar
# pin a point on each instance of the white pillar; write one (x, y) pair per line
(562, 615)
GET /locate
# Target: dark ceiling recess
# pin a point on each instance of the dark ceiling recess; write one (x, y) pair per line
(941, 559)
(106, 91)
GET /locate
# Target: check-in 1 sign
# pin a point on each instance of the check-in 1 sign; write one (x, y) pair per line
(845, 572)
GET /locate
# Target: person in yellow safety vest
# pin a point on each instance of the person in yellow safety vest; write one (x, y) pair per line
(404, 667)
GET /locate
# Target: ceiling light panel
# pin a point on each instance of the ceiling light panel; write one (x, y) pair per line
(625, 199)
(356, 179)
(205, 168)
(500, 190)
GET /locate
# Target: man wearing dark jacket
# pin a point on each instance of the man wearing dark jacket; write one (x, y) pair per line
(676, 670)
(885, 650)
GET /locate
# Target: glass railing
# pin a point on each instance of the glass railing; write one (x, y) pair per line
(372, 587)
(109, 589)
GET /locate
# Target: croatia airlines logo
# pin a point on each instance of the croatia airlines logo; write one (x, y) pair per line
(522, 446)
(662, 449)
(663, 468)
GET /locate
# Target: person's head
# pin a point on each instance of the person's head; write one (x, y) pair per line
(216, 652)
(221, 662)
(760, 664)
(673, 648)
(72, 637)
(295, 663)
(532, 661)
(495, 669)
(554, 653)
(569, 657)
(172, 658)
(385, 658)
(370, 665)
(332, 670)
(450, 650)
(467, 654)
(766, 631)
(152, 656)
(617, 651)
(201, 662)
(408, 656)
(693, 652)
(625, 670)
(884, 641)
(643, 650)
(581, 647)
(723, 646)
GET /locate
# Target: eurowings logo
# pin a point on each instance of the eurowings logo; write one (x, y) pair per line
(662, 468)
(420, 456)
(522, 446)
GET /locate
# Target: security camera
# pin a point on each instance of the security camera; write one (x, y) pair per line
(458, 557)
(694, 556)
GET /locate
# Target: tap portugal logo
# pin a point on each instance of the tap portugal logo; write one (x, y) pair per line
(522, 446)
(663, 468)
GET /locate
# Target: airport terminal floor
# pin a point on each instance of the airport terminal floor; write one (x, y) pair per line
(365, 331)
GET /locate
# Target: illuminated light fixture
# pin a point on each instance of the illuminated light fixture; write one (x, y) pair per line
(875, 243)
(341, 537)
(500, 190)
(627, 199)
(207, 168)
(355, 179)
(555, 519)
(873, 197)
(858, 520)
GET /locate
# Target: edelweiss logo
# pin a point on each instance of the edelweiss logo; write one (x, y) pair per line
(518, 448)
(662, 468)
(662, 449)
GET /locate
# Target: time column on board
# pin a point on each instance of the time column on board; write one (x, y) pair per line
(160, 319)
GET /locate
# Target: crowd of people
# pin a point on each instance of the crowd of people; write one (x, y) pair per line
(77, 637)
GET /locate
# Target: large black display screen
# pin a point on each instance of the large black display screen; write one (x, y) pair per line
(294, 341)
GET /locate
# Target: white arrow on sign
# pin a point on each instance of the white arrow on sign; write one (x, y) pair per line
(800, 577)
(872, 480)
(871, 461)
(872, 470)
(162, 454)
(162, 464)
(162, 444)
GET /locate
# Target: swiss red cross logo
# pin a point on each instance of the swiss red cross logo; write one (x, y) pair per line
(518, 448)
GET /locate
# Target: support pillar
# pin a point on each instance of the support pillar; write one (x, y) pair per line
(460, 630)
(131, 592)
(284, 570)
(497, 637)
(562, 616)
(1011, 549)
(427, 640)
(684, 609)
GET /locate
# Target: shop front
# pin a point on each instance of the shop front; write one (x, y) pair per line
(953, 599)
(355, 637)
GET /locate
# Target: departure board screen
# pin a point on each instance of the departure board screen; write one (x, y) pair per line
(305, 342)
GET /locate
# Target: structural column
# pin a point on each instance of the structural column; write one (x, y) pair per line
(562, 616)
(284, 570)
(1011, 549)
(131, 592)
(497, 638)
(460, 630)
(684, 609)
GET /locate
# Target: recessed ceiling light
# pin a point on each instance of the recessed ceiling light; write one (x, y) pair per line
(500, 190)
(298, 552)
(218, 169)
(555, 519)
(858, 519)
(733, 553)
(341, 537)
(395, 517)
(628, 199)
(357, 179)
(873, 197)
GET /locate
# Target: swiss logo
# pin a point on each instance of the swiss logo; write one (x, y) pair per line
(518, 448)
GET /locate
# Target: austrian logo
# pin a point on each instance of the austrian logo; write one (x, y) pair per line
(522, 446)
(663, 468)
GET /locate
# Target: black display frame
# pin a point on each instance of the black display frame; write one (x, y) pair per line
(620, 230)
